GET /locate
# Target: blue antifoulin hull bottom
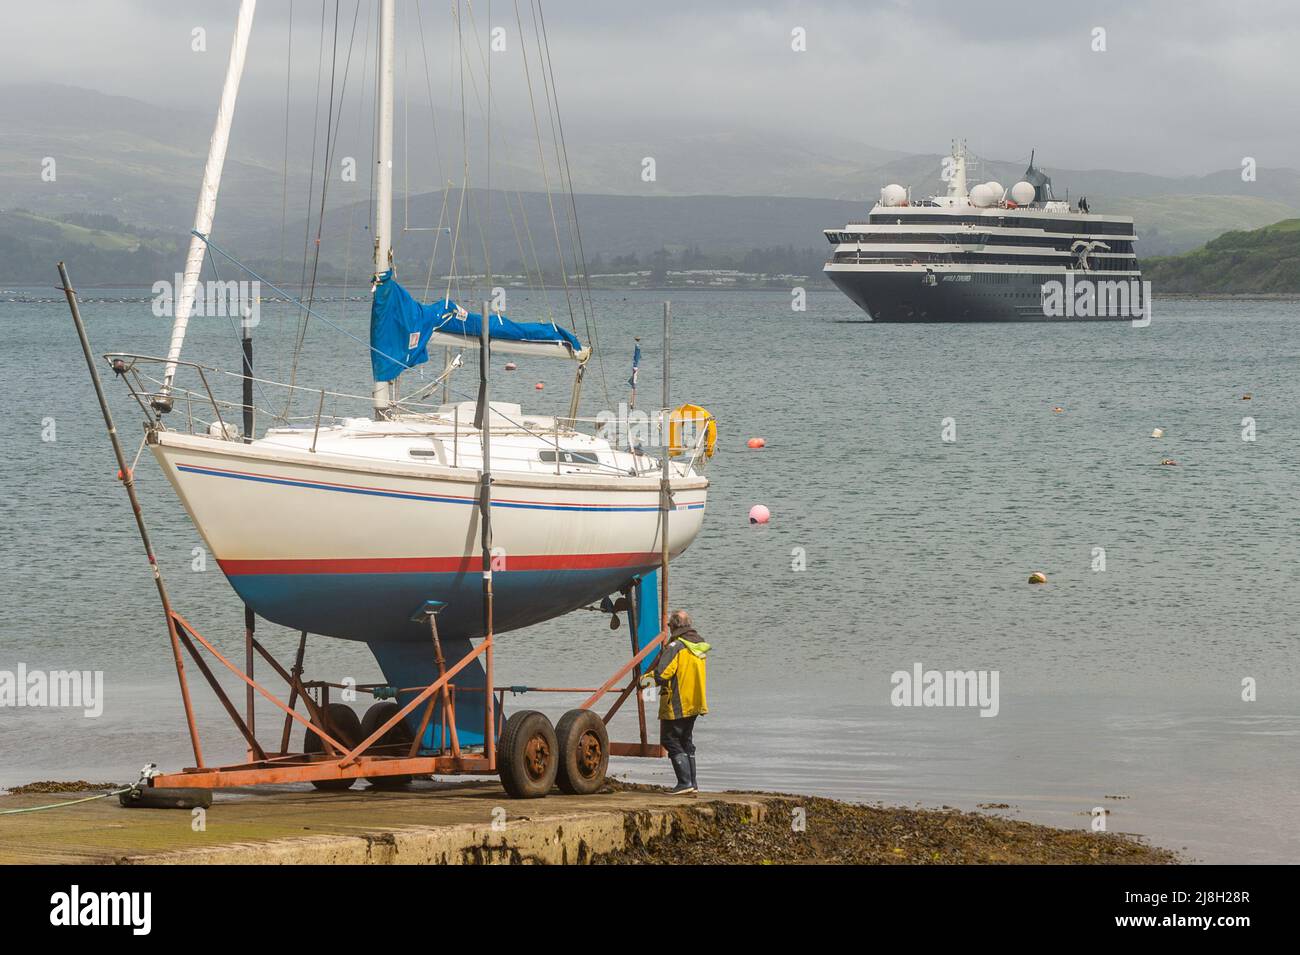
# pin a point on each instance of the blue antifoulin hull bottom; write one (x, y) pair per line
(408, 663)
(371, 607)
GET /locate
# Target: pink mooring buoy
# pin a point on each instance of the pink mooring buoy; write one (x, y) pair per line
(757, 443)
(758, 514)
(539, 386)
(511, 366)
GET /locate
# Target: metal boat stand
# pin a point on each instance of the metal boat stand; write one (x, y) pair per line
(369, 758)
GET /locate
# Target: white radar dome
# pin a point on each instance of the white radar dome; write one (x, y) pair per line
(981, 196)
(893, 195)
(1022, 193)
(996, 190)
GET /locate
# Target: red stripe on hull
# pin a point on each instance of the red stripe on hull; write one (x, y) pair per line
(432, 565)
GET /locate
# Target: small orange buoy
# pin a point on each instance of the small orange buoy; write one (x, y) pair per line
(1057, 410)
(129, 473)
(758, 514)
(756, 443)
(539, 386)
(511, 366)
(1038, 577)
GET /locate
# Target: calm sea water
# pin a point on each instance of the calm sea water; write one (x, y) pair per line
(1119, 687)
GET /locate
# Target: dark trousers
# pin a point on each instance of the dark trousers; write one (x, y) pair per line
(675, 736)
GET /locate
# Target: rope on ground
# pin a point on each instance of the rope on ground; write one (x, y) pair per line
(70, 802)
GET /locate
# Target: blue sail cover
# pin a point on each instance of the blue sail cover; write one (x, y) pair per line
(400, 329)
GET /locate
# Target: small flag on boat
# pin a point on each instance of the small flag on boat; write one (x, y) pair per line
(636, 365)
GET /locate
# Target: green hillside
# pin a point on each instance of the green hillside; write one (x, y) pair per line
(104, 250)
(1265, 260)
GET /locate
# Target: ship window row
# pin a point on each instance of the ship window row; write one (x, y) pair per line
(1116, 246)
(1078, 226)
(976, 258)
(1014, 278)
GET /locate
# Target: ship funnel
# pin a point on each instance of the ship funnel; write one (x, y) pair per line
(1040, 180)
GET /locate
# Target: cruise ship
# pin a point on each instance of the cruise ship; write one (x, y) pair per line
(988, 254)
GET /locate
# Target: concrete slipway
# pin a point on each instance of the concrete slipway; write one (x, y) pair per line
(457, 823)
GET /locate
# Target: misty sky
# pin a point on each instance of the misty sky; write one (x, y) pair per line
(1184, 86)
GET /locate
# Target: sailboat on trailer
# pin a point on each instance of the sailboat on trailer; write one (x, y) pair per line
(351, 528)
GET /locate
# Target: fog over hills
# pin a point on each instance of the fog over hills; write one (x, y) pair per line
(721, 190)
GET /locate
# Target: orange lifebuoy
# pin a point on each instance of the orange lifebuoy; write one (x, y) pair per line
(695, 414)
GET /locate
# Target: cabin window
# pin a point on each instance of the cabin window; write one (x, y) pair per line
(569, 457)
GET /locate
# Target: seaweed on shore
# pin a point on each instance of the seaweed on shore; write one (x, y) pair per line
(58, 786)
(837, 832)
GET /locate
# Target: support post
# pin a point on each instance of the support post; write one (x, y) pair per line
(446, 372)
(293, 690)
(630, 594)
(665, 488)
(128, 482)
(483, 414)
(250, 619)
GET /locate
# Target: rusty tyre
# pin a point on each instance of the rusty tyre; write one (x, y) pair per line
(528, 757)
(344, 726)
(584, 752)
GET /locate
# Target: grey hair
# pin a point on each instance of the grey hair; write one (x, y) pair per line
(680, 620)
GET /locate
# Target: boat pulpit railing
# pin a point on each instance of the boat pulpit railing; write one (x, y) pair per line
(193, 401)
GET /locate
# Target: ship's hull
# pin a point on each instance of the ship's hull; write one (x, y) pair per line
(907, 295)
(352, 550)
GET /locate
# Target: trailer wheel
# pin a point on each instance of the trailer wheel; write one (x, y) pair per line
(584, 752)
(344, 726)
(528, 755)
(398, 739)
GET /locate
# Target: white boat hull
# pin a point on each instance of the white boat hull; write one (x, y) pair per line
(352, 548)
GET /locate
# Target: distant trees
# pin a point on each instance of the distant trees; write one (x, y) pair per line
(30, 244)
(1261, 261)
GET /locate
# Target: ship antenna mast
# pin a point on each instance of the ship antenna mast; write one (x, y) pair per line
(957, 181)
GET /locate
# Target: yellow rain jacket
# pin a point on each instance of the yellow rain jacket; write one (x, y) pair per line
(680, 673)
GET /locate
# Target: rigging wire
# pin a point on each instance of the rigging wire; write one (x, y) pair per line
(284, 182)
(324, 188)
(437, 153)
(483, 222)
(568, 171)
(467, 199)
(315, 132)
(283, 325)
(311, 194)
(546, 177)
(294, 301)
(352, 206)
(207, 248)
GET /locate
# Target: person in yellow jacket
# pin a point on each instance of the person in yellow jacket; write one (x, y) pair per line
(680, 673)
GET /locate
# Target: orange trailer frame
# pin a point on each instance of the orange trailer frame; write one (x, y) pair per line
(366, 758)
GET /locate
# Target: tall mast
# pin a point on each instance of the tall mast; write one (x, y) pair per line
(957, 184)
(384, 170)
(207, 204)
